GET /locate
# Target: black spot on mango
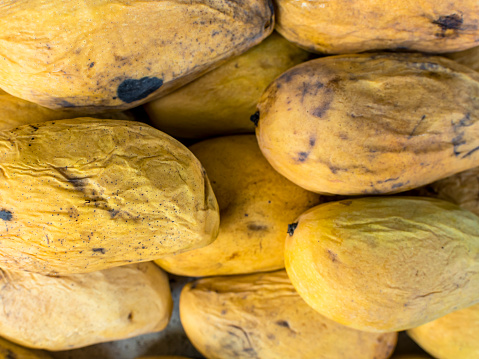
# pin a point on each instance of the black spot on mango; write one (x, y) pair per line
(449, 22)
(5, 215)
(132, 90)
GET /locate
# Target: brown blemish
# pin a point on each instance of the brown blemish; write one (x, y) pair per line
(130, 316)
(346, 203)
(283, 323)
(257, 227)
(233, 256)
(449, 22)
(99, 250)
(302, 156)
(332, 256)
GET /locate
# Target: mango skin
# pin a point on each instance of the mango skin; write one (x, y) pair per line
(8, 350)
(372, 123)
(348, 26)
(385, 264)
(256, 205)
(82, 195)
(60, 313)
(453, 336)
(90, 54)
(262, 316)
(222, 101)
(15, 112)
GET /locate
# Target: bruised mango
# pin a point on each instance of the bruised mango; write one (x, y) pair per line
(60, 313)
(9, 350)
(101, 54)
(222, 101)
(454, 336)
(385, 264)
(348, 26)
(262, 316)
(16, 112)
(372, 123)
(82, 195)
(256, 205)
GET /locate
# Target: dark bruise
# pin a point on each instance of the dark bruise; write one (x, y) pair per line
(292, 228)
(449, 22)
(346, 203)
(283, 323)
(303, 156)
(257, 227)
(34, 127)
(321, 110)
(65, 104)
(6, 215)
(99, 250)
(459, 139)
(91, 65)
(397, 185)
(130, 316)
(131, 90)
(255, 118)
(10, 355)
(113, 213)
(312, 141)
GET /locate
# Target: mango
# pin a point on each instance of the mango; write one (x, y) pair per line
(99, 54)
(256, 204)
(262, 316)
(73, 311)
(82, 195)
(387, 263)
(372, 123)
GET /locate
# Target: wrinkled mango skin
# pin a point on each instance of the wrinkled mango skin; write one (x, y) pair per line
(101, 54)
(61, 313)
(461, 189)
(222, 101)
(262, 316)
(15, 112)
(385, 264)
(454, 336)
(349, 26)
(256, 205)
(372, 123)
(9, 350)
(468, 57)
(83, 195)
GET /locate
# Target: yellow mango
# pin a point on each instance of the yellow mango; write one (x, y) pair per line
(222, 101)
(262, 316)
(387, 263)
(82, 195)
(99, 54)
(454, 336)
(372, 123)
(73, 311)
(16, 112)
(348, 26)
(256, 205)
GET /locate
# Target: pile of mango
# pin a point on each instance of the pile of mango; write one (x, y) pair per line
(329, 195)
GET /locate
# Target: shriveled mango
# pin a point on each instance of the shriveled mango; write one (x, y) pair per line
(262, 316)
(59, 313)
(222, 101)
(372, 123)
(256, 205)
(348, 26)
(82, 195)
(9, 350)
(100, 54)
(454, 336)
(461, 189)
(16, 112)
(468, 57)
(385, 264)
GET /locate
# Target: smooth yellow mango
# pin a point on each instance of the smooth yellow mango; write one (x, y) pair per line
(222, 101)
(372, 123)
(454, 336)
(9, 350)
(16, 112)
(73, 311)
(256, 205)
(101, 54)
(84, 194)
(262, 316)
(387, 263)
(348, 26)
